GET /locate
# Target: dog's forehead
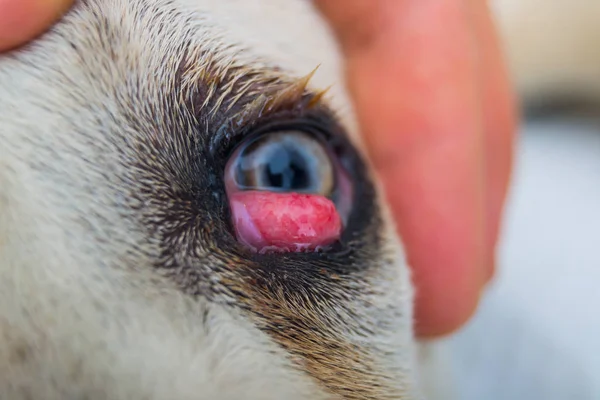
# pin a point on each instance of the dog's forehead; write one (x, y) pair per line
(147, 37)
(290, 34)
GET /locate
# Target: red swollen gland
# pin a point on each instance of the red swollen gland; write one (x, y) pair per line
(284, 222)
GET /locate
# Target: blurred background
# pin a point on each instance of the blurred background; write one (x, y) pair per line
(537, 333)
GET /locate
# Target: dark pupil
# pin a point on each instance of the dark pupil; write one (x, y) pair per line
(286, 170)
(281, 167)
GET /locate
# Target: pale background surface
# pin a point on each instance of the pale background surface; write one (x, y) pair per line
(537, 333)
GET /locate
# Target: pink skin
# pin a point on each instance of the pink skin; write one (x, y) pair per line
(284, 222)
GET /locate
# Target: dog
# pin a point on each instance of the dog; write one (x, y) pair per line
(121, 276)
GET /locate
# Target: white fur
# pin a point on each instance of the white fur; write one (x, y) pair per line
(73, 322)
(133, 336)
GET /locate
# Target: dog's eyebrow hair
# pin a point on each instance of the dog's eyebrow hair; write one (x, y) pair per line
(229, 95)
(227, 83)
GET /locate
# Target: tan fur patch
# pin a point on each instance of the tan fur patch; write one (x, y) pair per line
(300, 325)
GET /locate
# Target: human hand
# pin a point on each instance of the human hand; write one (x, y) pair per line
(437, 111)
(23, 20)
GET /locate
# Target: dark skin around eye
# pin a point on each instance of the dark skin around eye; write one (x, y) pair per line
(438, 116)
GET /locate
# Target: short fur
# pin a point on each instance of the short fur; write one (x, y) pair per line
(119, 275)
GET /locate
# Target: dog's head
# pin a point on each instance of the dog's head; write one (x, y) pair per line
(120, 273)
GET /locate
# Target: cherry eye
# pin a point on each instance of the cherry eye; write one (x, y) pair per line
(287, 192)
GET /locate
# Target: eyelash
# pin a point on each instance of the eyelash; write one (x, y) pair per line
(317, 123)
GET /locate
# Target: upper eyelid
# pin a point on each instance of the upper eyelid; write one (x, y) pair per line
(260, 113)
(317, 121)
(228, 101)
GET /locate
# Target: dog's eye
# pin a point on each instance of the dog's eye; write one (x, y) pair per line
(287, 192)
(284, 162)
